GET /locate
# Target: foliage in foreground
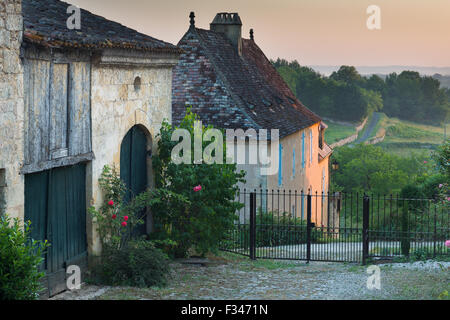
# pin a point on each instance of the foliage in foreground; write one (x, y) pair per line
(128, 259)
(139, 265)
(202, 223)
(20, 260)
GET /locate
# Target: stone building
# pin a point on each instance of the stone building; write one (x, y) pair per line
(73, 101)
(231, 84)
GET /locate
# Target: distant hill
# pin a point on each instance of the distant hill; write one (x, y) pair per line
(384, 70)
(444, 80)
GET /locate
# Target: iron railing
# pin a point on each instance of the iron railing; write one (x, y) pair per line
(348, 227)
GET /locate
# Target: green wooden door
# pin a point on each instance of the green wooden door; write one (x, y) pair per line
(55, 203)
(133, 167)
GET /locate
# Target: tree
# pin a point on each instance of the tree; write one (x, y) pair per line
(368, 168)
(347, 74)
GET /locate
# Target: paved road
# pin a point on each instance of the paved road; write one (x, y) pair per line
(368, 129)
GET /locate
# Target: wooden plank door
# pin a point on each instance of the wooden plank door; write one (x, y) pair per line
(55, 202)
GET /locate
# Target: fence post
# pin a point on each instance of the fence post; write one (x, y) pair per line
(435, 233)
(365, 229)
(308, 228)
(253, 225)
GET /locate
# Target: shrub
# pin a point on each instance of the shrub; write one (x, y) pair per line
(126, 258)
(115, 219)
(274, 230)
(139, 265)
(20, 260)
(202, 223)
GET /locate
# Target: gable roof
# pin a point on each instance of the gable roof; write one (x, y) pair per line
(45, 22)
(257, 92)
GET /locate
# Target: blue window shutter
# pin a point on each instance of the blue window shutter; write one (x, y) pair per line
(293, 163)
(303, 150)
(280, 165)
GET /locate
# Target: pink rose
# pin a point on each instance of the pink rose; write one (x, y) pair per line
(198, 188)
(110, 203)
(124, 224)
(114, 216)
(125, 218)
(425, 162)
(447, 243)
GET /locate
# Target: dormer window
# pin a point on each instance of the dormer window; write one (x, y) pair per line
(322, 128)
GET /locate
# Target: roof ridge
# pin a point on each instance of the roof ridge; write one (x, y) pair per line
(45, 23)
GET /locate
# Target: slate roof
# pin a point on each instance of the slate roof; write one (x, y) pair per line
(45, 22)
(252, 93)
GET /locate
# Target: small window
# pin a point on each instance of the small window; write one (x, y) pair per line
(321, 133)
(137, 84)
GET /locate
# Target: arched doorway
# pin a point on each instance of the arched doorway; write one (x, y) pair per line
(133, 167)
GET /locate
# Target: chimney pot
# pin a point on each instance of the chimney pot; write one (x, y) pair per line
(251, 35)
(231, 25)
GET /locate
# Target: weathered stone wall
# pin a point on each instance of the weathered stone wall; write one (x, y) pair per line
(11, 108)
(116, 107)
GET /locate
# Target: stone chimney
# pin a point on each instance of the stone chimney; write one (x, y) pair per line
(231, 25)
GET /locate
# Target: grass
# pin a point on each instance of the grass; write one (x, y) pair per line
(405, 137)
(336, 132)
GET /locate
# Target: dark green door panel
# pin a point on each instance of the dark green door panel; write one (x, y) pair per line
(55, 202)
(133, 167)
(36, 196)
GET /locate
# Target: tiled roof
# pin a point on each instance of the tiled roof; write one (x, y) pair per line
(247, 85)
(45, 22)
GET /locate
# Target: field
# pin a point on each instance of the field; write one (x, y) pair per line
(336, 132)
(402, 137)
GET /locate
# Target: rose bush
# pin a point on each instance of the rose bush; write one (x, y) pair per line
(211, 189)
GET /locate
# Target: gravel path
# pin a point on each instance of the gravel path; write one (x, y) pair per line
(239, 278)
(369, 128)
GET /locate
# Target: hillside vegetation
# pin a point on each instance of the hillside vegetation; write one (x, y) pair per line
(347, 96)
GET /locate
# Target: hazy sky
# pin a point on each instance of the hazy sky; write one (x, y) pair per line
(315, 32)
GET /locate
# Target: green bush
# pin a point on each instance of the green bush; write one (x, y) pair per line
(201, 223)
(20, 261)
(273, 230)
(140, 264)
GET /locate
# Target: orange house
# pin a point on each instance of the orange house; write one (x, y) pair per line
(230, 84)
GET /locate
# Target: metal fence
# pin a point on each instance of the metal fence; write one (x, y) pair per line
(338, 227)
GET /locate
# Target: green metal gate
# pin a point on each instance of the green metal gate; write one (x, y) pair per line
(55, 202)
(133, 166)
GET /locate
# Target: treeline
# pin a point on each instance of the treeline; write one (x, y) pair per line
(346, 95)
(370, 169)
